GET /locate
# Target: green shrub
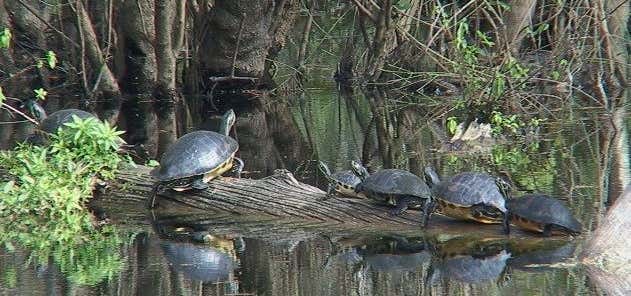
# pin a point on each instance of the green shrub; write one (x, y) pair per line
(44, 202)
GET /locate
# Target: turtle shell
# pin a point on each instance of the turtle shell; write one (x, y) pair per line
(390, 182)
(195, 153)
(201, 263)
(471, 188)
(57, 119)
(545, 210)
(346, 178)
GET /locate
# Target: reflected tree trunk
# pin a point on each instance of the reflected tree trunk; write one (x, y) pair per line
(516, 20)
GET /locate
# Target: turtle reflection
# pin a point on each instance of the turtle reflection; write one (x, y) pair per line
(200, 262)
(470, 260)
(382, 253)
(540, 255)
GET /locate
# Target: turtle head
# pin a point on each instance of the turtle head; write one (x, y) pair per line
(35, 109)
(359, 170)
(227, 121)
(324, 168)
(431, 177)
(504, 187)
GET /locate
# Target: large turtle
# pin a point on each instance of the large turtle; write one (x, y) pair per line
(544, 214)
(343, 182)
(196, 158)
(400, 187)
(471, 196)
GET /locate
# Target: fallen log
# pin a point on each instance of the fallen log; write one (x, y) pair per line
(278, 201)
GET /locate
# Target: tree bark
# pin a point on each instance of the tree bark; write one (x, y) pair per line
(517, 19)
(166, 94)
(105, 85)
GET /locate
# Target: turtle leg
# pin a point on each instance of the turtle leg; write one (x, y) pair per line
(156, 189)
(506, 223)
(330, 192)
(547, 230)
(237, 167)
(428, 209)
(199, 184)
(402, 206)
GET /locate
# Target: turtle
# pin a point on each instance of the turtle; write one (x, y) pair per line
(196, 158)
(544, 214)
(398, 187)
(343, 182)
(472, 196)
(50, 124)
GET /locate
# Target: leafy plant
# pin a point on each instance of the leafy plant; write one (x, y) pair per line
(44, 202)
(5, 38)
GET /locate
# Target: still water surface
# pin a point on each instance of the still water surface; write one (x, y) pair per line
(580, 161)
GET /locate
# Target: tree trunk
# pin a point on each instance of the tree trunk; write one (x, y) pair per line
(516, 20)
(166, 95)
(137, 32)
(106, 86)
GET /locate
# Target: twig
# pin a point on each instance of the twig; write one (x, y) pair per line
(11, 109)
(365, 10)
(231, 77)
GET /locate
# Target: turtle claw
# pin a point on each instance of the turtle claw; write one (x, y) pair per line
(199, 184)
(396, 212)
(237, 167)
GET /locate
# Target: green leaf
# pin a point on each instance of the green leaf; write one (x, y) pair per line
(153, 163)
(2, 97)
(8, 186)
(5, 38)
(51, 58)
(40, 93)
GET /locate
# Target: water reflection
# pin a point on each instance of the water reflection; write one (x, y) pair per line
(199, 263)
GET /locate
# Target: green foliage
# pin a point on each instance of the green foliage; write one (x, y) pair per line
(452, 124)
(5, 38)
(2, 97)
(40, 94)
(44, 202)
(529, 172)
(51, 59)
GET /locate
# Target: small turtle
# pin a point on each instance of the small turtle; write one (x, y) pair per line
(400, 187)
(343, 182)
(196, 158)
(544, 214)
(471, 196)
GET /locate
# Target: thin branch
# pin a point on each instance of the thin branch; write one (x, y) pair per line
(365, 10)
